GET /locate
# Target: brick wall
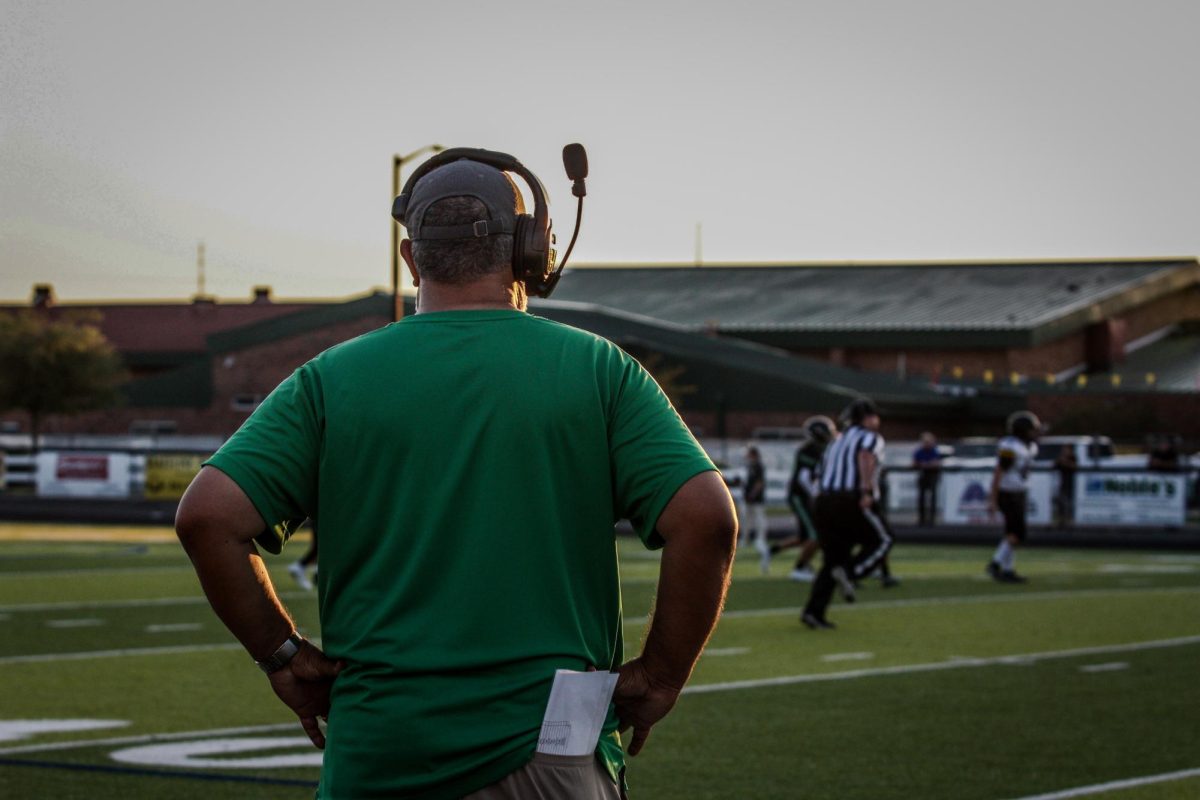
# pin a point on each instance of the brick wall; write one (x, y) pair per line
(1051, 357)
(742, 424)
(254, 370)
(1176, 307)
(260, 368)
(1128, 416)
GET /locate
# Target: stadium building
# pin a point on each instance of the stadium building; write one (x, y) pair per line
(953, 347)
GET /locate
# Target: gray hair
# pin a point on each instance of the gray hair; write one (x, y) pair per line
(458, 261)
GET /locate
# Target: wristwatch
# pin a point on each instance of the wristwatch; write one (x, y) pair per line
(280, 658)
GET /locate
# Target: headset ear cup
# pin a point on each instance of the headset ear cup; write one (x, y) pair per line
(520, 267)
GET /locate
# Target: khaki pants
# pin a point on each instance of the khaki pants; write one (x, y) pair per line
(549, 777)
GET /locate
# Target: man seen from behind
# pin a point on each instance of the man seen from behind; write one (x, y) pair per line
(467, 466)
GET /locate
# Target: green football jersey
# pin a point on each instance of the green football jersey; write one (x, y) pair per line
(466, 469)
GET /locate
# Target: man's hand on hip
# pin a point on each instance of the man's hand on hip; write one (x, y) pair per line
(641, 701)
(304, 685)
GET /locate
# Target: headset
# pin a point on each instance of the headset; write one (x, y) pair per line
(534, 256)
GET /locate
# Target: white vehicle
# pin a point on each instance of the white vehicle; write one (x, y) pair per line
(1091, 452)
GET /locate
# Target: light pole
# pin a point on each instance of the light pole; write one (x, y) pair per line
(397, 163)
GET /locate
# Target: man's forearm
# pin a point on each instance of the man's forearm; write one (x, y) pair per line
(236, 583)
(693, 580)
(867, 463)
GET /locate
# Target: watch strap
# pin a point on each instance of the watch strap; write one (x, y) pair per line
(280, 658)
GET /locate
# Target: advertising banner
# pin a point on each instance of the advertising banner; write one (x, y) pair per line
(168, 474)
(965, 498)
(1130, 498)
(63, 474)
(902, 490)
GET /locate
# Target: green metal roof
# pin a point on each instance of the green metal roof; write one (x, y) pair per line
(186, 386)
(744, 375)
(725, 371)
(893, 305)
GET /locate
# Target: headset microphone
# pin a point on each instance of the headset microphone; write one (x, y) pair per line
(575, 162)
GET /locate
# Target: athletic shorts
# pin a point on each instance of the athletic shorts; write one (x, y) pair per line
(1012, 506)
(549, 776)
(805, 527)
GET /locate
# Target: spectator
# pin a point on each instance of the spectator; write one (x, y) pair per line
(1066, 464)
(927, 461)
(754, 506)
(1165, 456)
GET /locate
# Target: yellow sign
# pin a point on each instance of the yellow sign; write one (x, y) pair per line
(168, 475)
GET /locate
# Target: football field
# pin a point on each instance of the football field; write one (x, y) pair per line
(118, 681)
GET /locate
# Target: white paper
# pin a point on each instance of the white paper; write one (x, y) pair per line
(575, 712)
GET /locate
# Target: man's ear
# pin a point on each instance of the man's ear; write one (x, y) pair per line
(406, 253)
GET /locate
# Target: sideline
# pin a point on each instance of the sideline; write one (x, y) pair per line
(1112, 786)
(935, 666)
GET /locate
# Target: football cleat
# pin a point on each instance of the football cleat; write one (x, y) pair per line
(816, 623)
(844, 583)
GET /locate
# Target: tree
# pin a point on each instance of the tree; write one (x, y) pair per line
(56, 366)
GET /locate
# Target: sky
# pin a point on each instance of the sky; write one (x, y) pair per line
(754, 131)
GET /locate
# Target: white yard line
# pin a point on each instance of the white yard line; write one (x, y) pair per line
(1113, 786)
(175, 627)
(631, 621)
(759, 612)
(38, 575)
(149, 737)
(726, 651)
(848, 657)
(957, 663)
(721, 687)
(1111, 666)
(1146, 569)
(1016, 597)
(69, 605)
(132, 651)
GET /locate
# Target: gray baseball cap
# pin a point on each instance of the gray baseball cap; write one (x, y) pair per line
(464, 178)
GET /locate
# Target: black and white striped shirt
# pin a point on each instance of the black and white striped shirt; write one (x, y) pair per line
(839, 467)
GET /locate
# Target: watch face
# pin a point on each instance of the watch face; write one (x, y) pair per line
(282, 656)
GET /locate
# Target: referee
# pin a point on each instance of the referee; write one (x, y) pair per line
(853, 535)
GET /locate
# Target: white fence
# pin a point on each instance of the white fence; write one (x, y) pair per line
(1136, 498)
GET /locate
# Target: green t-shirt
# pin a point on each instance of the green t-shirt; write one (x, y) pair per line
(466, 469)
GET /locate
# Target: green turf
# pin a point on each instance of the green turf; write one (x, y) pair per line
(950, 686)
